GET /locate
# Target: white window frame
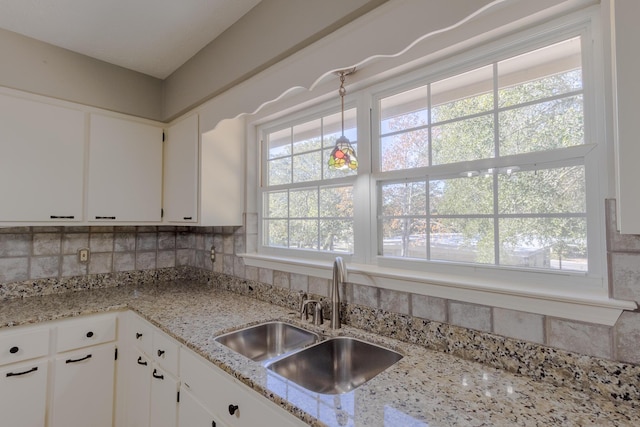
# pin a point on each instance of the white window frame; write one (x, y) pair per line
(591, 282)
(305, 115)
(570, 295)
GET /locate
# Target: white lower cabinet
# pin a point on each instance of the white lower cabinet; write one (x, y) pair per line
(148, 377)
(164, 399)
(83, 387)
(23, 394)
(193, 413)
(155, 367)
(59, 373)
(137, 367)
(233, 403)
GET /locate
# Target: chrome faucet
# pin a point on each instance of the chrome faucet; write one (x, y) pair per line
(339, 277)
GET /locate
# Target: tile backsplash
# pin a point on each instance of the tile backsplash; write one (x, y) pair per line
(31, 256)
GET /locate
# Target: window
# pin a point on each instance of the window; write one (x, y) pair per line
(487, 166)
(484, 168)
(307, 206)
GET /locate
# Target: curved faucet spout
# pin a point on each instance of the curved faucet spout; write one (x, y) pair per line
(339, 277)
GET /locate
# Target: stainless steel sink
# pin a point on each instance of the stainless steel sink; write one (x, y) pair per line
(337, 365)
(267, 340)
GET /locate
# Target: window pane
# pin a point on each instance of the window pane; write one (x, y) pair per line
(462, 196)
(404, 237)
(540, 74)
(551, 243)
(303, 234)
(276, 205)
(560, 190)
(405, 151)
(279, 171)
(462, 240)
(544, 126)
(405, 110)
(303, 204)
(307, 167)
(336, 202)
(470, 139)
(307, 137)
(407, 198)
(275, 233)
(332, 127)
(279, 143)
(336, 235)
(462, 95)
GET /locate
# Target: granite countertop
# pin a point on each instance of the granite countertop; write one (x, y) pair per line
(425, 388)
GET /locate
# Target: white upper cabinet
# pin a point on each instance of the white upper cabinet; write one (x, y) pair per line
(125, 171)
(42, 150)
(222, 174)
(627, 125)
(180, 190)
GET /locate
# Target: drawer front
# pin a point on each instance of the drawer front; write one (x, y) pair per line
(24, 345)
(84, 332)
(140, 333)
(165, 352)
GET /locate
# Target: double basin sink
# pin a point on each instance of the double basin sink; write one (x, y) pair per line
(332, 366)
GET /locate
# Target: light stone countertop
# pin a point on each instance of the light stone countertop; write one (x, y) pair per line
(425, 388)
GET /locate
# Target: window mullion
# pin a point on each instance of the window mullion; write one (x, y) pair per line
(496, 143)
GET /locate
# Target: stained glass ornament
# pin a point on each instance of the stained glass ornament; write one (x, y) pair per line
(343, 155)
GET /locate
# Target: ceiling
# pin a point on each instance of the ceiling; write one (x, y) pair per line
(154, 37)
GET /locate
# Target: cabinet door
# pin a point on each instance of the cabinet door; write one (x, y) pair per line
(125, 171)
(222, 174)
(23, 390)
(234, 403)
(193, 414)
(83, 387)
(41, 161)
(164, 399)
(180, 197)
(138, 389)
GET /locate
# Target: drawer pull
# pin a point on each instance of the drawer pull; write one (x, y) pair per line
(88, 356)
(16, 374)
(138, 335)
(155, 375)
(105, 217)
(186, 218)
(89, 334)
(233, 409)
(142, 362)
(160, 353)
(61, 216)
(14, 350)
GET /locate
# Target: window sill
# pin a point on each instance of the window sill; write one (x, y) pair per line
(594, 307)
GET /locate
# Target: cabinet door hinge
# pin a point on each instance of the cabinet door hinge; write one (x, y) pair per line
(178, 398)
(116, 356)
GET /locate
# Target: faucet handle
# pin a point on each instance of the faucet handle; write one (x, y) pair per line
(317, 316)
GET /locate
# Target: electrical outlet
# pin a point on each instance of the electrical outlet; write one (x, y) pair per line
(213, 254)
(83, 255)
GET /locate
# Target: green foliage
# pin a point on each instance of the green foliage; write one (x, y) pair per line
(536, 217)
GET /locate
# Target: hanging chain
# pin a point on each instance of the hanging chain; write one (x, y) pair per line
(342, 91)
